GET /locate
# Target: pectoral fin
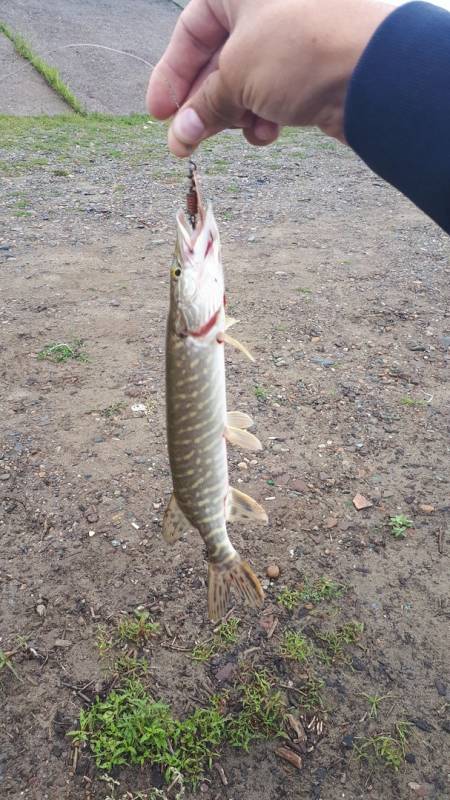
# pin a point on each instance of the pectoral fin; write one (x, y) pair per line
(237, 345)
(238, 419)
(242, 438)
(240, 507)
(174, 522)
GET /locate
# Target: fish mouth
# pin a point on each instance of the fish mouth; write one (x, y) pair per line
(206, 328)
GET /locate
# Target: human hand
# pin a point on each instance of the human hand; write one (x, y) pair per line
(258, 65)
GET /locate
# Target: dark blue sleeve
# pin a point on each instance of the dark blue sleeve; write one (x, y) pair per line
(397, 116)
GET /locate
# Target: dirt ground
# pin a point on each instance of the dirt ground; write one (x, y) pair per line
(342, 290)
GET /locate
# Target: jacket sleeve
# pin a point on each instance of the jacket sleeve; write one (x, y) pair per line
(397, 116)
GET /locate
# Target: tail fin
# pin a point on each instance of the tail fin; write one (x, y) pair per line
(236, 575)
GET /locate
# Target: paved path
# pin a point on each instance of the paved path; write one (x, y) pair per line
(22, 90)
(103, 81)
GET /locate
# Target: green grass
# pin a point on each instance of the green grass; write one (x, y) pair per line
(399, 525)
(310, 694)
(61, 352)
(130, 727)
(261, 715)
(261, 393)
(387, 748)
(7, 664)
(137, 629)
(303, 290)
(322, 589)
(114, 410)
(226, 634)
(334, 643)
(50, 74)
(375, 701)
(296, 647)
(410, 401)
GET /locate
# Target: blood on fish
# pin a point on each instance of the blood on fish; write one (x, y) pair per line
(209, 246)
(207, 326)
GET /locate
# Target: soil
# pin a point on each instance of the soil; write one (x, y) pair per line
(342, 289)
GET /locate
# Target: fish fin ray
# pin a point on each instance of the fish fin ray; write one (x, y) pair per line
(174, 522)
(238, 419)
(229, 321)
(240, 507)
(238, 576)
(242, 438)
(237, 345)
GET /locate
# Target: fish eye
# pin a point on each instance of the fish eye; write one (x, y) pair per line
(177, 272)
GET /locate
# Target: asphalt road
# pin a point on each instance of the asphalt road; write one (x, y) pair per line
(103, 81)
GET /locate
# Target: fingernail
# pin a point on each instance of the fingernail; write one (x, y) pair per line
(188, 127)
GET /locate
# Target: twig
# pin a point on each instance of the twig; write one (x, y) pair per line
(441, 542)
(221, 772)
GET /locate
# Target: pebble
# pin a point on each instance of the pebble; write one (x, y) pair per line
(426, 509)
(331, 522)
(116, 543)
(299, 486)
(242, 465)
(62, 643)
(441, 687)
(5, 476)
(347, 741)
(360, 502)
(273, 571)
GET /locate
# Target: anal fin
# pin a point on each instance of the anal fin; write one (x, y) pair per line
(237, 345)
(174, 522)
(242, 438)
(240, 507)
(238, 419)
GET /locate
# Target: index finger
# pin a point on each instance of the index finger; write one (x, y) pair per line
(198, 34)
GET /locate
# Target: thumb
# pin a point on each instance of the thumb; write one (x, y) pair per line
(210, 110)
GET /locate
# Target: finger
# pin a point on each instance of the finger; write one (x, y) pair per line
(210, 110)
(197, 35)
(262, 132)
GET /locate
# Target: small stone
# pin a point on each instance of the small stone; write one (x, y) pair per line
(116, 543)
(426, 509)
(347, 741)
(41, 609)
(242, 465)
(91, 534)
(62, 643)
(410, 758)
(114, 303)
(273, 572)
(421, 789)
(298, 485)
(358, 664)
(422, 725)
(441, 687)
(360, 502)
(331, 522)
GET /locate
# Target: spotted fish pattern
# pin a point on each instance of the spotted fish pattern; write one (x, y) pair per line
(198, 425)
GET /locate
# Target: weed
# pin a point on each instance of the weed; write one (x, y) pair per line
(50, 74)
(390, 749)
(322, 589)
(399, 525)
(61, 173)
(333, 643)
(130, 727)
(225, 634)
(204, 651)
(227, 631)
(113, 410)
(262, 712)
(303, 290)
(261, 393)
(311, 693)
(126, 666)
(410, 401)
(374, 701)
(104, 642)
(296, 647)
(137, 629)
(6, 663)
(60, 352)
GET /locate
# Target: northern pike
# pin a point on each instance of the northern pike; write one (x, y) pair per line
(198, 425)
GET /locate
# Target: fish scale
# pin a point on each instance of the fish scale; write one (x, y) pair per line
(198, 425)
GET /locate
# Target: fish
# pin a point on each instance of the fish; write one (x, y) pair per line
(198, 423)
